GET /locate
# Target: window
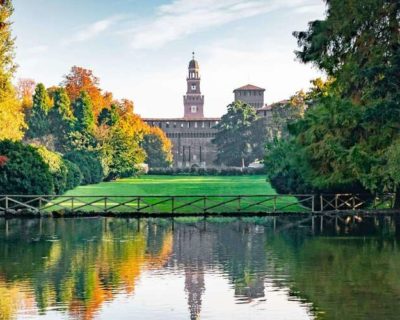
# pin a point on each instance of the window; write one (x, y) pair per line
(193, 109)
(167, 124)
(193, 87)
(203, 124)
(195, 124)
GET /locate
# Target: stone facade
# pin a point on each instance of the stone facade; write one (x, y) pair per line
(191, 135)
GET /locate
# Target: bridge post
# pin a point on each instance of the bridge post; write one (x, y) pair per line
(6, 207)
(321, 202)
(313, 204)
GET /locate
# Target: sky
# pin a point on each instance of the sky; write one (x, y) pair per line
(140, 49)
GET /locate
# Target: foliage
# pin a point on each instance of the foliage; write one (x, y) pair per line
(234, 139)
(61, 118)
(25, 171)
(89, 163)
(83, 112)
(38, 123)
(348, 137)
(12, 122)
(57, 169)
(158, 148)
(74, 175)
(80, 79)
(109, 117)
(206, 171)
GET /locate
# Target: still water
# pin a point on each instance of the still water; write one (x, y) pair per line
(250, 268)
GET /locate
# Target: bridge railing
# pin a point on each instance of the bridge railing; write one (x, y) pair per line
(196, 204)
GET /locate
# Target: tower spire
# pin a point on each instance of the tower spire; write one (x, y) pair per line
(193, 55)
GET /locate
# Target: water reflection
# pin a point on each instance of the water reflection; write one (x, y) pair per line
(278, 268)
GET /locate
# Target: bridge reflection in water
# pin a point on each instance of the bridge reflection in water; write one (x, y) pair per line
(337, 267)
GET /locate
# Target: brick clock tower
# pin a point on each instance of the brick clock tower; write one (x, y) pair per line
(193, 101)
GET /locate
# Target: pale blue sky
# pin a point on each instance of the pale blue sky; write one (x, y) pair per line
(140, 48)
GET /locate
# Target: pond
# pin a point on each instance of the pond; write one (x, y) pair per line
(187, 268)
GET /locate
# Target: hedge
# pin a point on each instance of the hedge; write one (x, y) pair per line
(89, 163)
(206, 171)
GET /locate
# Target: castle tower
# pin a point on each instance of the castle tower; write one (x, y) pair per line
(193, 101)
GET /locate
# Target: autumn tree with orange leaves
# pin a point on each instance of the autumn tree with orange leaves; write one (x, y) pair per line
(80, 79)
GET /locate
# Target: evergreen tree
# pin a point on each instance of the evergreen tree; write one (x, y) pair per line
(109, 117)
(234, 139)
(12, 120)
(38, 122)
(61, 118)
(83, 112)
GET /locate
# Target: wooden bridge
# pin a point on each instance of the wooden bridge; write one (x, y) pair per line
(191, 205)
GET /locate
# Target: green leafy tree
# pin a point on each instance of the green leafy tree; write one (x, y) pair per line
(235, 139)
(348, 137)
(61, 119)
(124, 154)
(157, 156)
(12, 122)
(38, 121)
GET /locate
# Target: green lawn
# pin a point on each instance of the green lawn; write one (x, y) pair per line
(188, 187)
(179, 186)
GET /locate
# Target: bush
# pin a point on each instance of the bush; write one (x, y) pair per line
(23, 170)
(232, 171)
(74, 175)
(89, 163)
(57, 167)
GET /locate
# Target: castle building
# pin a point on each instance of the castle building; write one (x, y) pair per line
(192, 134)
(251, 95)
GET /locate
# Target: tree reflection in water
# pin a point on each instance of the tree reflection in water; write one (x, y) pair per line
(339, 269)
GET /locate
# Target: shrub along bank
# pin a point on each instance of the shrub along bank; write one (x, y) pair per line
(27, 169)
(233, 171)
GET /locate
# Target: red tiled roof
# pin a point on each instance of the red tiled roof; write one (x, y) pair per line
(249, 87)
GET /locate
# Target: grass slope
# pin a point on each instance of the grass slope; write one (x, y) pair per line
(180, 186)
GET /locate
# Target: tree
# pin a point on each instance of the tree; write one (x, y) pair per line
(25, 91)
(12, 122)
(234, 138)
(80, 79)
(38, 122)
(158, 148)
(83, 112)
(109, 117)
(61, 119)
(348, 138)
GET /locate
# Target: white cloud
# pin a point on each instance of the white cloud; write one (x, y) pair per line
(93, 30)
(181, 18)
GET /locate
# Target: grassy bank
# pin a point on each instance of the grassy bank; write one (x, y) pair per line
(187, 186)
(179, 185)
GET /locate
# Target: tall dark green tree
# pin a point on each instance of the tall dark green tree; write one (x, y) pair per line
(83, 112)
(38, 122)
(61, 118)
(235, 139)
